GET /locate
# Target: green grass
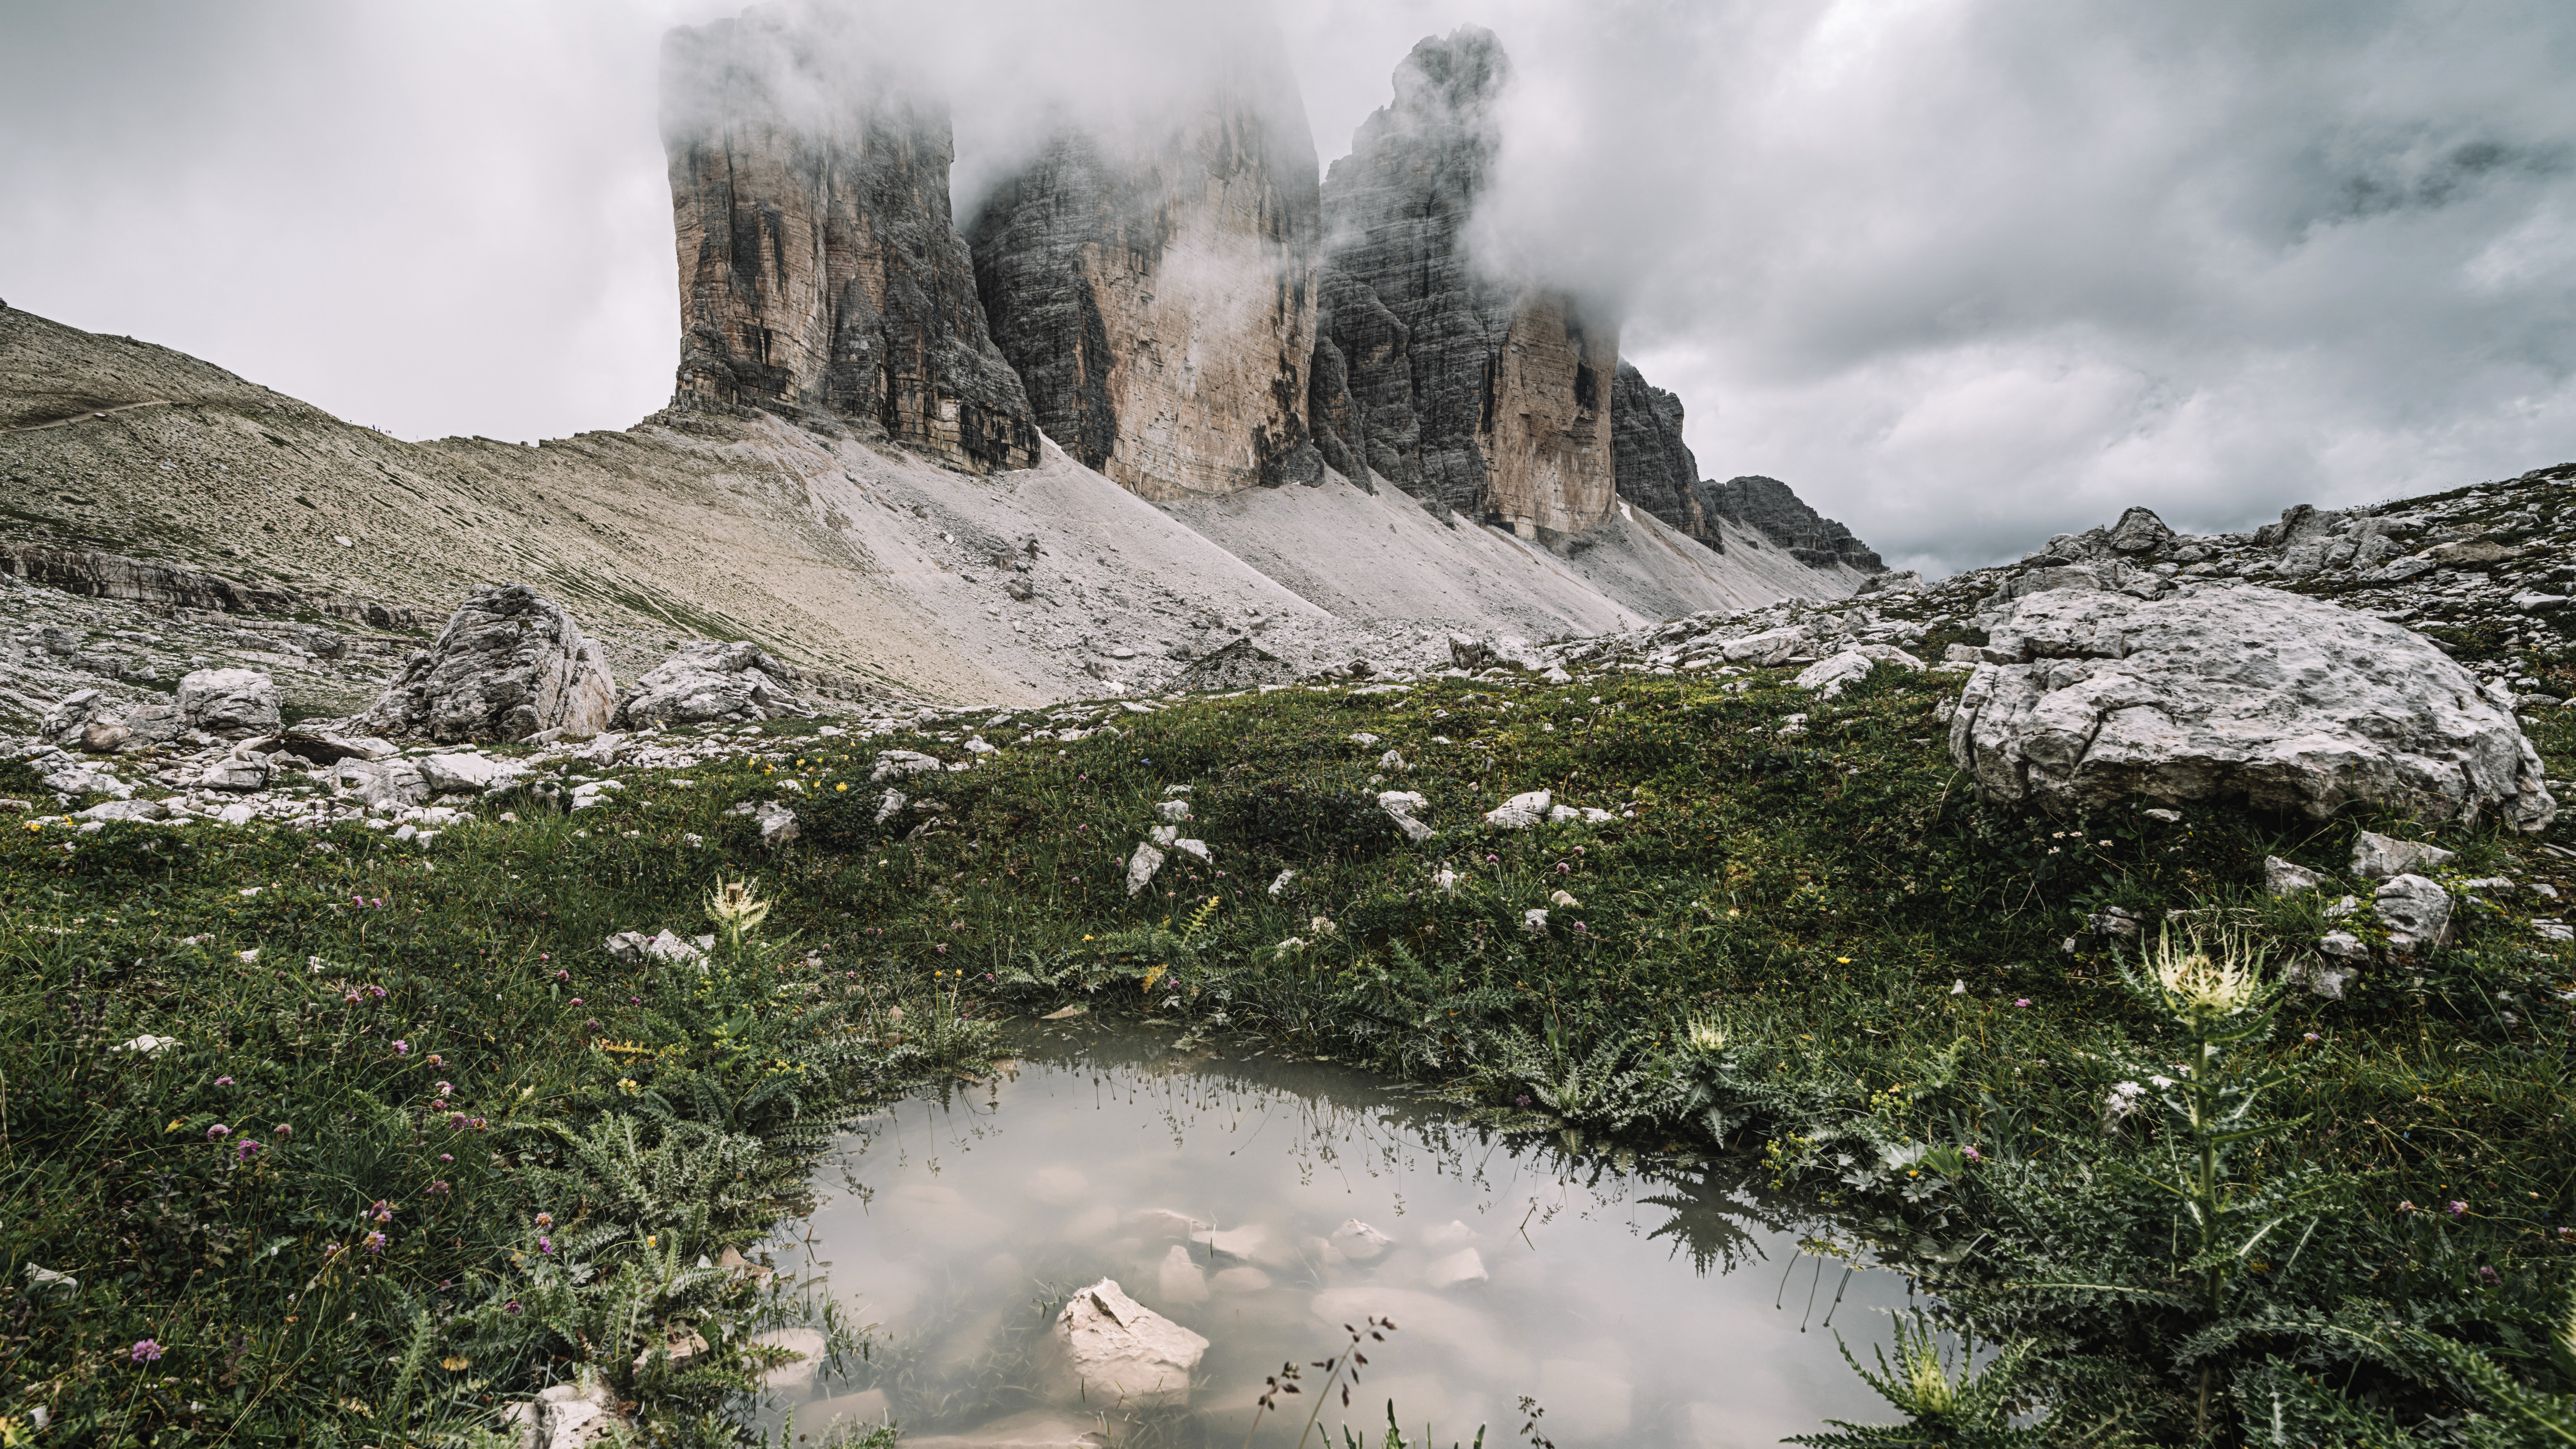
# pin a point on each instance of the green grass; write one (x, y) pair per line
(1883, 957)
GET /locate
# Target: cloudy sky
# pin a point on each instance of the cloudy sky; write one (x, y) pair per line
(1963, 272)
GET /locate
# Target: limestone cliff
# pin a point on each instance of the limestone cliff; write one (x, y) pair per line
(1154, 283)
(820, 272)
(1474, 393)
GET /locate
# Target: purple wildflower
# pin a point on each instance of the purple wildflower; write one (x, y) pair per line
(281, 1131)
(147, 1350)
(382, 1212)
(245, 1150)
(223, 1081)
(401, 1048)
(2021, 1001)
(218, 1132)
(1973, 1155)
(545, 1244)
(2457, 1208)
(373, 1242)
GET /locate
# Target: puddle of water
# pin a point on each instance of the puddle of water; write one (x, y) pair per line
(1220, 1193)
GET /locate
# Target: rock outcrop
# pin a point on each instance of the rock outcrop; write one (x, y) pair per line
(1766, 506)
(508, 665)
(1154, 285)
(709, 680)
(2217, 693)
(1484, 396)
(1653, 468)
(821, 275)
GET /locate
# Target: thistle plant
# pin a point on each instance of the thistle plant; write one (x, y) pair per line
(2215, 991)
(1948, 1403)
(737, 909)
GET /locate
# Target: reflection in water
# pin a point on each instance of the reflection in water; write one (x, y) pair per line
(1264, 1204)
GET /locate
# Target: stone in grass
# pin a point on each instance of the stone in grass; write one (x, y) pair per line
(1106, 1348)
(895, 764)
(1521, 811)
(463, 773)
(1280, 883)
(636, 946)
(807, 1346)
(1198, 848)
(569, 1416)
(777, 824)
(2417, 913)
(2281, 878)
(1401, 806)
(1141, 867)
(2378, 857)
(891, 806)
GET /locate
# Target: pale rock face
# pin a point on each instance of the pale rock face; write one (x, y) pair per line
(467, 774)
(1108, 1348)
(820, 272)
(2217, 693)
(508, 665)
(776, 823)
(1155, 288)
(1521, 811)
(706, 681)
(229, 701)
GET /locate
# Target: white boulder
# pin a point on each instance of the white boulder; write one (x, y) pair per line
(895, 764)
(710, 680)
(229, 701)
(1106, 1348)
(508, 665)
(1521, 811)
(2281, 878)
(2219, 692)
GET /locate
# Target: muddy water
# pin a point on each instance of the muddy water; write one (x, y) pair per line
(1223, 1192)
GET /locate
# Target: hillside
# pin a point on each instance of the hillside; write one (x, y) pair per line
(861, 562)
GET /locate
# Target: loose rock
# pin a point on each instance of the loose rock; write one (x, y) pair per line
(508, 665)
(1108, 1348)
(710, 680)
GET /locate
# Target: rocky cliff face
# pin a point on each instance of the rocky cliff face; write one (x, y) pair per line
(1475, 394)
(1654, 468)
(1767, 506)
(1156, 290)
(820, 272)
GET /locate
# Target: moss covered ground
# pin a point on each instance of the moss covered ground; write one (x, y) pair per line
(1799, 945)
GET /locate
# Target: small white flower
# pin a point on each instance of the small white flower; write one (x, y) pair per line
(2161, 1082)
(250, 955)
(1959, 988)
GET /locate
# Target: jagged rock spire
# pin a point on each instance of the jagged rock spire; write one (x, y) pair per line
(820, 272)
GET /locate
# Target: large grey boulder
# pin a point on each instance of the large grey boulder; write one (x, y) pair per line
(508, 665)
(710, 680)
(2220, 692)
(230, 702)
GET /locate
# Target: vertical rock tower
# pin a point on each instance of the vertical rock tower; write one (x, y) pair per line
(820, 271)
(1154, 283)
(1482, 395)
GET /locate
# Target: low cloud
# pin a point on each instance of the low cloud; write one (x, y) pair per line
(1964, 272)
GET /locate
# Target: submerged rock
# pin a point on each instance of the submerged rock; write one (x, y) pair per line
(1106, 1348)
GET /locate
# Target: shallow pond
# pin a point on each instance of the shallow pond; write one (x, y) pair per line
(1224, 1192)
